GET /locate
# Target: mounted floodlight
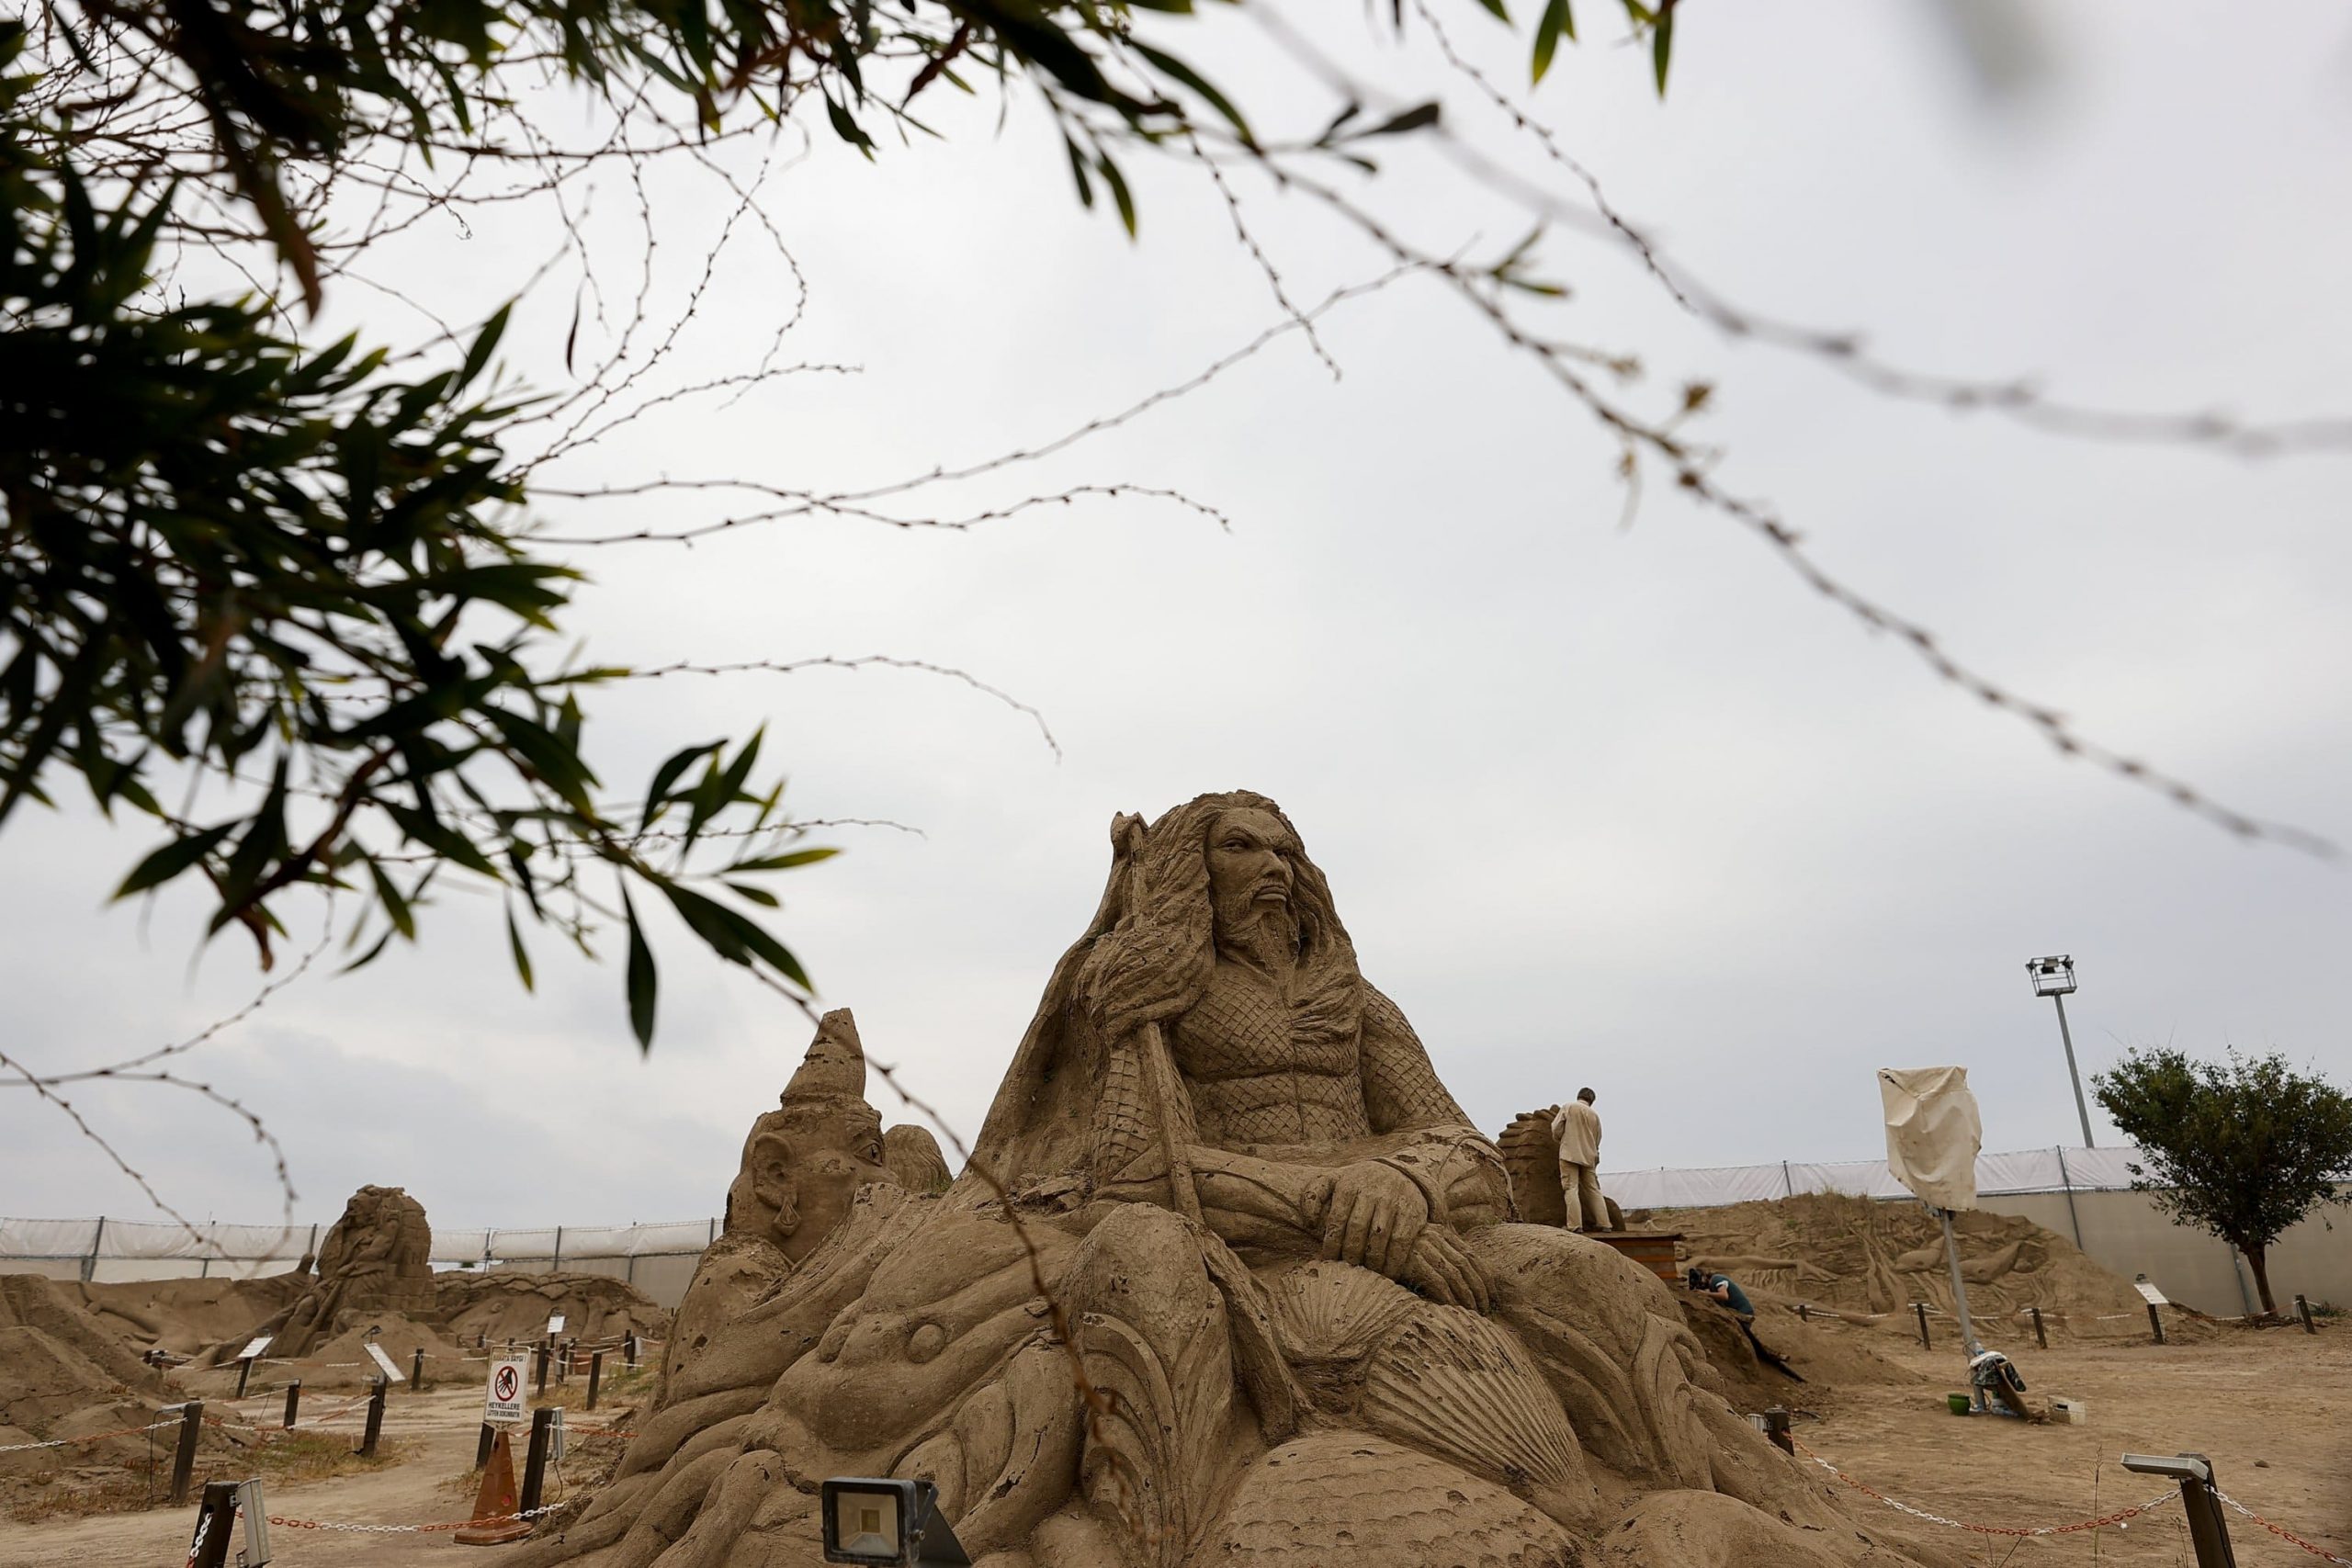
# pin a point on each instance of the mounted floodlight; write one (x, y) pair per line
(2052, 976)
(883, 1521)
(2200, 1501)
(2179, 1467)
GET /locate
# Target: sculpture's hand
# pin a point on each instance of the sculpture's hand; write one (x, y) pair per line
(1445, 1269)
(1376, 1218)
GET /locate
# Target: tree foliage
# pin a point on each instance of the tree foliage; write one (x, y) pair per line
(280, 597)
(2242, 1148)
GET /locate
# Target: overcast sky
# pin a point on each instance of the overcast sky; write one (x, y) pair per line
(1620, 806)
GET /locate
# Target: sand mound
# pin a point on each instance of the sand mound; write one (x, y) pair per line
(506, 1304)
(187, 1316)
(1861, 1257)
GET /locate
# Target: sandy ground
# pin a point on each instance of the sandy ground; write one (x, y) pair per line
(436, 1431)
(2272, 1409)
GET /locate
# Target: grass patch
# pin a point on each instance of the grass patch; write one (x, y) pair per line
(282, 1458)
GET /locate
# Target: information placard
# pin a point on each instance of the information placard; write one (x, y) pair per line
(504, 1402)
(555, 1325)
(254, 1347)
(2153, 1296)
(375, 1354)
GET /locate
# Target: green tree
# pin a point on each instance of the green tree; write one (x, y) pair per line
(2244, 1148)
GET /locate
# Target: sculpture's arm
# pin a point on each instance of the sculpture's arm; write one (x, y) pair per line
(1402, 1094)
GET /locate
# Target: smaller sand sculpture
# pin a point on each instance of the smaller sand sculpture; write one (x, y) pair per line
(375, 1258)
(803, 1164)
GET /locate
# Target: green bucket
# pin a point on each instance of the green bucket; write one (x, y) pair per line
(1959, 1403)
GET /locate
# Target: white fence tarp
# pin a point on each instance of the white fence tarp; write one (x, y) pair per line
(2054, 1170)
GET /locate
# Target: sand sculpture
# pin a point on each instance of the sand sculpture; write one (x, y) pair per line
(803, 1165)
(1230, 1280)
(375, 1258)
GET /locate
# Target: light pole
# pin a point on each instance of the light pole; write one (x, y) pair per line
(2054, 977)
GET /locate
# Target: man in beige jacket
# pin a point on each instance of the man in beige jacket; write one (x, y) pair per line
(1577, 1126)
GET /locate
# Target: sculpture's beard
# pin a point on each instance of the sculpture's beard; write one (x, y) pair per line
(1262, 931)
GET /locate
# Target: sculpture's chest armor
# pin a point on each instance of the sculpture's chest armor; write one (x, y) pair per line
(1261, 1073)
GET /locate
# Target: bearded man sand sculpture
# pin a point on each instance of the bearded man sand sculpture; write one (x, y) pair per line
(1230, 1279)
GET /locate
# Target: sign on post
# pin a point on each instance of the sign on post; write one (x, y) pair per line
(2149, 1293)
(391, 1373)
(254, 1347)
(504, 1402)
(555, 1325)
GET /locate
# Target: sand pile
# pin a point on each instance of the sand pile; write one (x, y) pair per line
(64, 1375)
(506, 1304)
(187, 1316)
(1862, 1257)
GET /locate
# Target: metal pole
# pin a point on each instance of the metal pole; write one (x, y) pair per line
(375, 1418)
(1959, 1288)
(629, 1346)
(481, 1450)
(244, 1370)
(2075, 1077)
(90, 1264)
(416, 1371)
(293, 1402)
(184, 1457)
(595, 1376)
(2039, 1337)
(543, 1367)
(2303, 1311)
(2066, 1180)
(1921, 1308)
(2155, 1323)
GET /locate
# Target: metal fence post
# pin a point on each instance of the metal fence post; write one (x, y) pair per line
(416, 1371)
(2303, 1311)
(216, 1526)
(595, 1376)
(90, 1264)
(2039, 1337)
(1921, 1308)
(481, 1450)
(293, 1400)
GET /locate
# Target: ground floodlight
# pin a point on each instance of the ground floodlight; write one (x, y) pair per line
(883, 1521)
(2052, 976)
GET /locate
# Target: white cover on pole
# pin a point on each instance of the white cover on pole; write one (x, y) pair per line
(1932, 1133)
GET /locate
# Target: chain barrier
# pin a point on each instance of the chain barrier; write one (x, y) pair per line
(2119, 1519)
(93, 1437)
(413, 1529)
(2281, 1531)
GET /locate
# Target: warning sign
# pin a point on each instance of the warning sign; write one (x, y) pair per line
(504, 1399)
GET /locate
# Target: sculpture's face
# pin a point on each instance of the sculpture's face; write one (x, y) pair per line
(809, 1177)
(1249, 856)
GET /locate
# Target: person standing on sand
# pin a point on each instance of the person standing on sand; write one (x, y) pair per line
(1578, 1127)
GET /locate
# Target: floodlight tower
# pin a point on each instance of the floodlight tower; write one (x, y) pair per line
(2054, 977)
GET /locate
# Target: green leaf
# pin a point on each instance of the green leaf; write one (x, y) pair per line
(1078, 173)
(485, 341)
(1662, 42)
(1496, 6)
(658, 792)
(1118, 184)
(172, 859)
(783, 862)
(1415, 118)
(1171, 66)
(1558, 21)
(522, 954)
(759, 896)
(396, 906)
(641, 978)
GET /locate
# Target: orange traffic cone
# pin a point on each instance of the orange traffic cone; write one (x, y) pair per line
(492, 1525)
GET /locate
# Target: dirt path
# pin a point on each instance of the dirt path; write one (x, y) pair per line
(2272, 1410)
(436, 1432)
